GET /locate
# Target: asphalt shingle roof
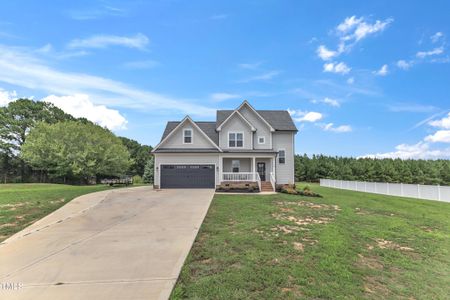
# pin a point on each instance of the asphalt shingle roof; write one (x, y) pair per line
(209, 128)
(278, 119)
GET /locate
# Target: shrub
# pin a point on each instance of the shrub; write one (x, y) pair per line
(293, 191)
(137, 179)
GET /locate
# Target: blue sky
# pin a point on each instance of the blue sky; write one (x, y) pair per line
(359, 79)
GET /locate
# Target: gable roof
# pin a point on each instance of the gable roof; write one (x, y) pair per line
(187, 119)
(219, 127)
(279, 119)
(209, 128)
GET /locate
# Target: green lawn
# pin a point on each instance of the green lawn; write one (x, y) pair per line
(23, 204)
(346, 245)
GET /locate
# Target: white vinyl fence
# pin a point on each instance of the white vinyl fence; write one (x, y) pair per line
(430, 192)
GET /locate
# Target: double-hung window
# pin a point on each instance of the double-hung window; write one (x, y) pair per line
(235, 140)
(281, 156)
(187, 136)
(235, 165)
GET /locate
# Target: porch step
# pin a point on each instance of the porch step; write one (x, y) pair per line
(266, 186)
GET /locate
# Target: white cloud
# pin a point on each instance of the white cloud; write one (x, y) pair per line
(436, 37)
(325, 53)
(402, 64)
(19, 67)
(351, 80)
(423, 149)
(411, 107)
(303, 116)
(6, 97)
(80, 106)
(224, 96)
(357, 28)
(329, 101)
(138, 41)
(348, 24)
(263, 77)
(443, 123)
(338, 129)
(383, 71)
(440, 136)
(141, 64)
(340, 68)
(351, 31)
(435, 51)
(90, 13)
(420, 150)
(250, 66)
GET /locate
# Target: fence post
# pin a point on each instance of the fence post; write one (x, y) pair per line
(387, 192)
(365, 186)
(401, 189)
(418, 191)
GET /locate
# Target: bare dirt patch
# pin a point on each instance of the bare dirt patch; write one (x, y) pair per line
(375, 287)
(385, 244)
(308, 220)
(309, 204)
(298, 246)
(8, 225)
(369, 262)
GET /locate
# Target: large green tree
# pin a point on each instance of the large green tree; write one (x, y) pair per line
(139, 155)
(367, 169)
(16, 121)
(76, 150)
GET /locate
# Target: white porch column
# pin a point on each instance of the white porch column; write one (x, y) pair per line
(220, 169)
(254, 168)
(273, 168)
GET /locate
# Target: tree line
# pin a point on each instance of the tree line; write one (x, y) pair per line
(313, 168)
(41, 143)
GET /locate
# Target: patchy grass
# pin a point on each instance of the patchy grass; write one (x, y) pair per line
(23, 204)
(344, 245)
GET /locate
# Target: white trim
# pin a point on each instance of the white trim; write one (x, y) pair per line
(216, 178)
(239, 114)
(178, 126)
(236, 146)
(192, 135)
(251, 107)
(264, 139)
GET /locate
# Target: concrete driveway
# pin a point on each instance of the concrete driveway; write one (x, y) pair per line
(120, 244)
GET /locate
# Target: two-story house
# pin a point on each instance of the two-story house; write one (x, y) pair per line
(242, 145)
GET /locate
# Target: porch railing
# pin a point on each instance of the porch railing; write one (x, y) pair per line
(272, 179)
(240, 176)
(258, 180)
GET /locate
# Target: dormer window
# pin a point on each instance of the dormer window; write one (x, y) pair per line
(187, 136)
(235, 140)
(261, 140)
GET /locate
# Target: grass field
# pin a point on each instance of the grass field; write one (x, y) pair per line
(23, 204)
(346, 245)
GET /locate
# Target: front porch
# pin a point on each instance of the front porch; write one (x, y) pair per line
(260, 170)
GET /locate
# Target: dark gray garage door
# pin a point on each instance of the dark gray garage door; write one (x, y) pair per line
(187, 176)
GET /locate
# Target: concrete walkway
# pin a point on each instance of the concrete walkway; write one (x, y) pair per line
(121, 244)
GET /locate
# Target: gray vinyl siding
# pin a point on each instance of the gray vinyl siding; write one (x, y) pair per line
(245, 164)
(235, 124)
(284, 172)
(262, 129)
(176, 139)
(184, 158)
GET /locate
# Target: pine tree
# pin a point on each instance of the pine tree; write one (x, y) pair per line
(148, 171)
